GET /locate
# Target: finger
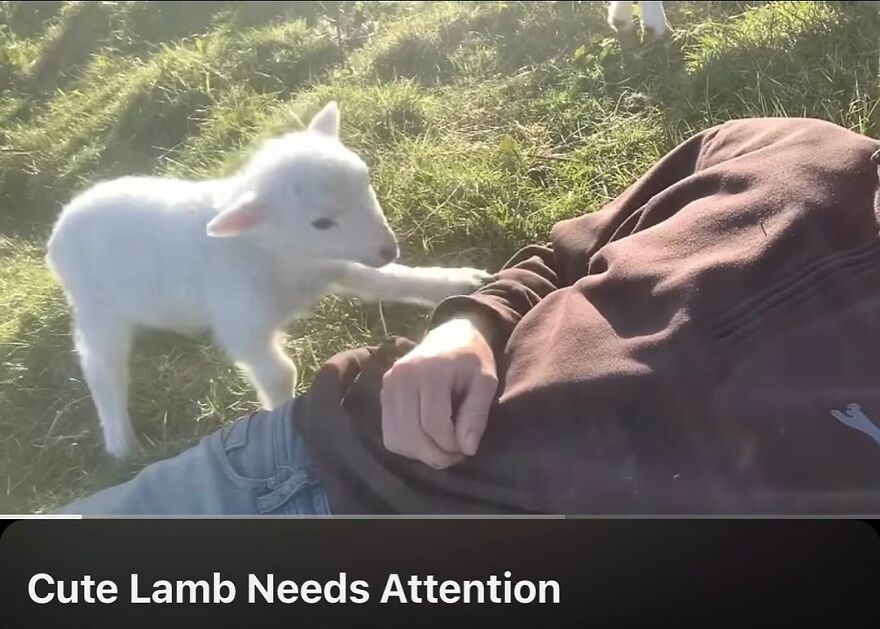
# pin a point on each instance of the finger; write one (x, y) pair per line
(402, 432)
(397, 394)
(435, 402)
(473, 414)
(430, 454)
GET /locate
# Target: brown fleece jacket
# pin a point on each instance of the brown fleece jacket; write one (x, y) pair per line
(708, 342)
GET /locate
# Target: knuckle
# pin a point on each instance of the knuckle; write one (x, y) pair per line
(398, 379)
(391, 442)
(487, 380)
(427, 455)
(468, 360)
(438, 463)
(391, 375)
(445, 463)
(403, 371)
(387, 441)
(389, 383)
(437, 459)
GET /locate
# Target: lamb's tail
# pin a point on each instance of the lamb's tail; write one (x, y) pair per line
(54, 247)
(63, 255)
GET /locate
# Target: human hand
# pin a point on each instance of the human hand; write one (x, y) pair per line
(419, 420)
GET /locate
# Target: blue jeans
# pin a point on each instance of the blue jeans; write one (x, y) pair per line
(258, 465)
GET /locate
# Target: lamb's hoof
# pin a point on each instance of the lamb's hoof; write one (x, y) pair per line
(621, 25)
(465, 280)
(455, 281)
(659, 36)
(627, 33)
(122, 447)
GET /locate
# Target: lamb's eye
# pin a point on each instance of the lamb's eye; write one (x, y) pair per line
(323, 223)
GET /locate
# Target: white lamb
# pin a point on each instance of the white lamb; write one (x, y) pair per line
(237, 257)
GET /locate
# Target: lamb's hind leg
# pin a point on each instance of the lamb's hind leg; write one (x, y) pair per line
(620, 17)
(104, 344)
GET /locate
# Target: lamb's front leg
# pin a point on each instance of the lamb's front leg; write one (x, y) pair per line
(270, 370)
(426, 286)
(245, 327)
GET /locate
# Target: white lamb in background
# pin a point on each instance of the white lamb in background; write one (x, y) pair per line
(653, 18)
(237, 257)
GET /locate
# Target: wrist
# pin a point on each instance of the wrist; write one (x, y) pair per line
(479, 323)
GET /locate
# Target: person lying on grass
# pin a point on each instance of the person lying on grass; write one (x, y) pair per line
(707, 343)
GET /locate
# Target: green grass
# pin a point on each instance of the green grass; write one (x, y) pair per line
(484, 123)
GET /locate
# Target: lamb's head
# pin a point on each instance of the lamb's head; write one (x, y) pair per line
(305, 195)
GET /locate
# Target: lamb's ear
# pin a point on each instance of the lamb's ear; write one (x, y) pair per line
(326, 121)
(238, 217)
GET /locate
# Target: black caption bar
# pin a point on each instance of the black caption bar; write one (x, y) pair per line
(474, 573)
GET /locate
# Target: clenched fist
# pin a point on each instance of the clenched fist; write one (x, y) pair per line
(436, 399)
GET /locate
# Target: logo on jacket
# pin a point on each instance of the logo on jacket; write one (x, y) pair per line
(855, 418)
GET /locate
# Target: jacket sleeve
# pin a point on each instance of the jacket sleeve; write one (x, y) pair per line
(537, 271)
(520, 285)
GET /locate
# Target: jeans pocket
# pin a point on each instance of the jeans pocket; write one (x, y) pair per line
(263, 454)
(244, 450)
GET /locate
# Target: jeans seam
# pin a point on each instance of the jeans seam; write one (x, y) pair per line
(283, 442)
(286, 492)
(221, 457)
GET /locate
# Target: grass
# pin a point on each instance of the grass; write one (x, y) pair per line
(484, 123)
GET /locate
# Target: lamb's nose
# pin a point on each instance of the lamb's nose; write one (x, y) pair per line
(387, 255)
